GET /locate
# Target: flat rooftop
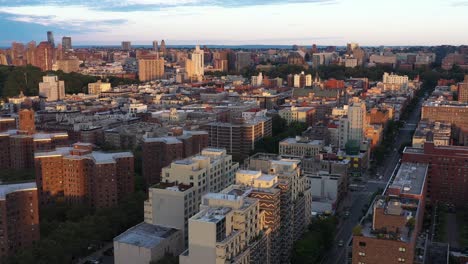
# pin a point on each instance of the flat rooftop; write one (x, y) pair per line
(167, 140)
(212, 215)
(10, 188)
(145, 235)
(315, 142)
(410, 178)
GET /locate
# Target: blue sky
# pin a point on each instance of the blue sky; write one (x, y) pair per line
(231, 22)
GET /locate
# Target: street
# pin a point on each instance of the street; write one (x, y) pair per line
(358, 200)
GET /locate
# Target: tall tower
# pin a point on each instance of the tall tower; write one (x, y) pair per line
(66, 43)
(126, 45)
(155, 45)
(44, 55)
(163, 47)
(50, 38)
(198, 63)
(357, 120)
(26, 121)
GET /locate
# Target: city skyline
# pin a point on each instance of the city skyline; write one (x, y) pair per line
(183, 22)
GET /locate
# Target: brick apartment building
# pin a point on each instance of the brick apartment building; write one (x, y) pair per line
(463, 91)
(448, 172)
(160, 152)
(18, 146)
(7, 123)
(391, 237)
(19, 217)
(79, 175)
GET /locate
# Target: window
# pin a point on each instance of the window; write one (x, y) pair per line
(362, 244)
(362, 254)
(401, 260)
(402, 249)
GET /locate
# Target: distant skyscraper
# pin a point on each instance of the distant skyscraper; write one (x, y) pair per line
(44, 55)
(163, 46)
(243, 59)
(31, 53)
(198, 64)
(155, 45)
(50, 38)
(66, 43)
(126, 45)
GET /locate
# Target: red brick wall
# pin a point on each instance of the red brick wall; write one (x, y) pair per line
(381, 251)
(20, 221)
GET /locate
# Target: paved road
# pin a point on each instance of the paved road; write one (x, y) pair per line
(337, 255)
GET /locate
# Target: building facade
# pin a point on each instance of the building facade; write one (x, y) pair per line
(79, 175)
(52, 88)
(19, 218)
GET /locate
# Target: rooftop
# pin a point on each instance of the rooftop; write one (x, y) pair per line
(167, 140)
(10, 188)
(302, 141)
(212, 215)
(410, 178)
(145, 235)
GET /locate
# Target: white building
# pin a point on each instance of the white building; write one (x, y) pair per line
(352, 125)
(223, 229)
(394, 79)
(198, 61)
(300, 147)
(177, 198)
(257, 81)
(52, 88)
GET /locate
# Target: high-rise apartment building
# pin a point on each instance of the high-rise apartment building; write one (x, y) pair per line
(224, 229)
(243, 59)
(155, 46)
(178, 196)
(296, 198)
(31, 53)
(391, 236)
(67, 65)
(7, 123)
(80, 175)
(302, 80)
(197, 59)
(26, 122)
(463, 91)
(18, 146)
(238, 137)
(66, 43)
(126, 45)
(150, 68)
(50, 38)
(447, 172)
(220, 61)
(17, 54)
(98, 87)
(44, 56)
(163, 47)
(52, 88)
(353, 123)
(160, 152)
(3, 59)
(19, 218)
